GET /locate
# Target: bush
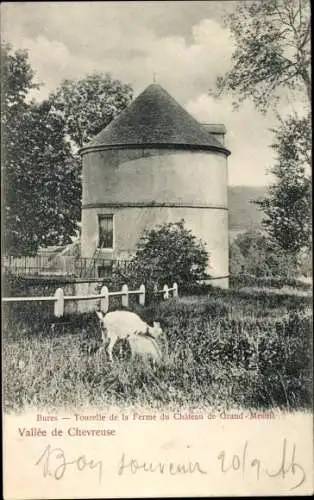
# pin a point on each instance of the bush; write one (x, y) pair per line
(253, 253)
(268, 282)
(167, 254)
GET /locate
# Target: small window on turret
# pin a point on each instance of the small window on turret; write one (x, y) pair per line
(105, 231)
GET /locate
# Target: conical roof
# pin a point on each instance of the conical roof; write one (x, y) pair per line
(155, 119)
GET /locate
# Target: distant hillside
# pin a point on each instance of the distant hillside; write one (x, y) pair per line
(244, 215)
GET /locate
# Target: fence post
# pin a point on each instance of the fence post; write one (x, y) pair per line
(175, 290)
(166, 292)
(125, 296)
(142, 295)
(59, 303)
(104, 301)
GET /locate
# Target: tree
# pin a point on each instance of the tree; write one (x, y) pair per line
(287, 205)
(255, 254)
(272, 51)
(89, 104)
(16, 82)
(42, 184)
(170, 253)
(41, 168)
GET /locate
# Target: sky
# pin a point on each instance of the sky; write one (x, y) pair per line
(185, 44)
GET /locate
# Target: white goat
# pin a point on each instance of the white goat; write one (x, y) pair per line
(144, 347)
(127, 325)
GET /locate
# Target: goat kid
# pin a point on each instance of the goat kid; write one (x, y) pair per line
(118, 325)
(144, 347)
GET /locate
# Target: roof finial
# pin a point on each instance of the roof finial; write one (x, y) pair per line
(154, 77)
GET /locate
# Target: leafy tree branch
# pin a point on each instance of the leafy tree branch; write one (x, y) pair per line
(272, 39)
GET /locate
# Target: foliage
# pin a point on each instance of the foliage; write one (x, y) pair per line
(254, 253)
(41, 169)
(272, 53)
(16, 82)
(237, 262)
(272, 40)
(42, 184)
(41, 178)
(229, 349)
(89, 104)
(287, 205)
(273, 284)
(170, 253)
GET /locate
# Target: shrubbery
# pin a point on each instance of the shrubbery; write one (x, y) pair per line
(247, 280)
(166, 254)
(252, 253)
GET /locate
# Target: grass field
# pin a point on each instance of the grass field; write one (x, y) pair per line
(231, 349)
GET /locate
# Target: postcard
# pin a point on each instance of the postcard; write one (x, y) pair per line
(156, 257)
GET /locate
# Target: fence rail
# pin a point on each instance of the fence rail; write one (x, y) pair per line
(166, 290)
(59, 298)
(60, 265)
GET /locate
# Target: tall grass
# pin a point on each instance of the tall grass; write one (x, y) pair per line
(229, 348)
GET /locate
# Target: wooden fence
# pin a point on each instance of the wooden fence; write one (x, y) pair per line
(59, 298)
(166, 290)
(61, 265)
